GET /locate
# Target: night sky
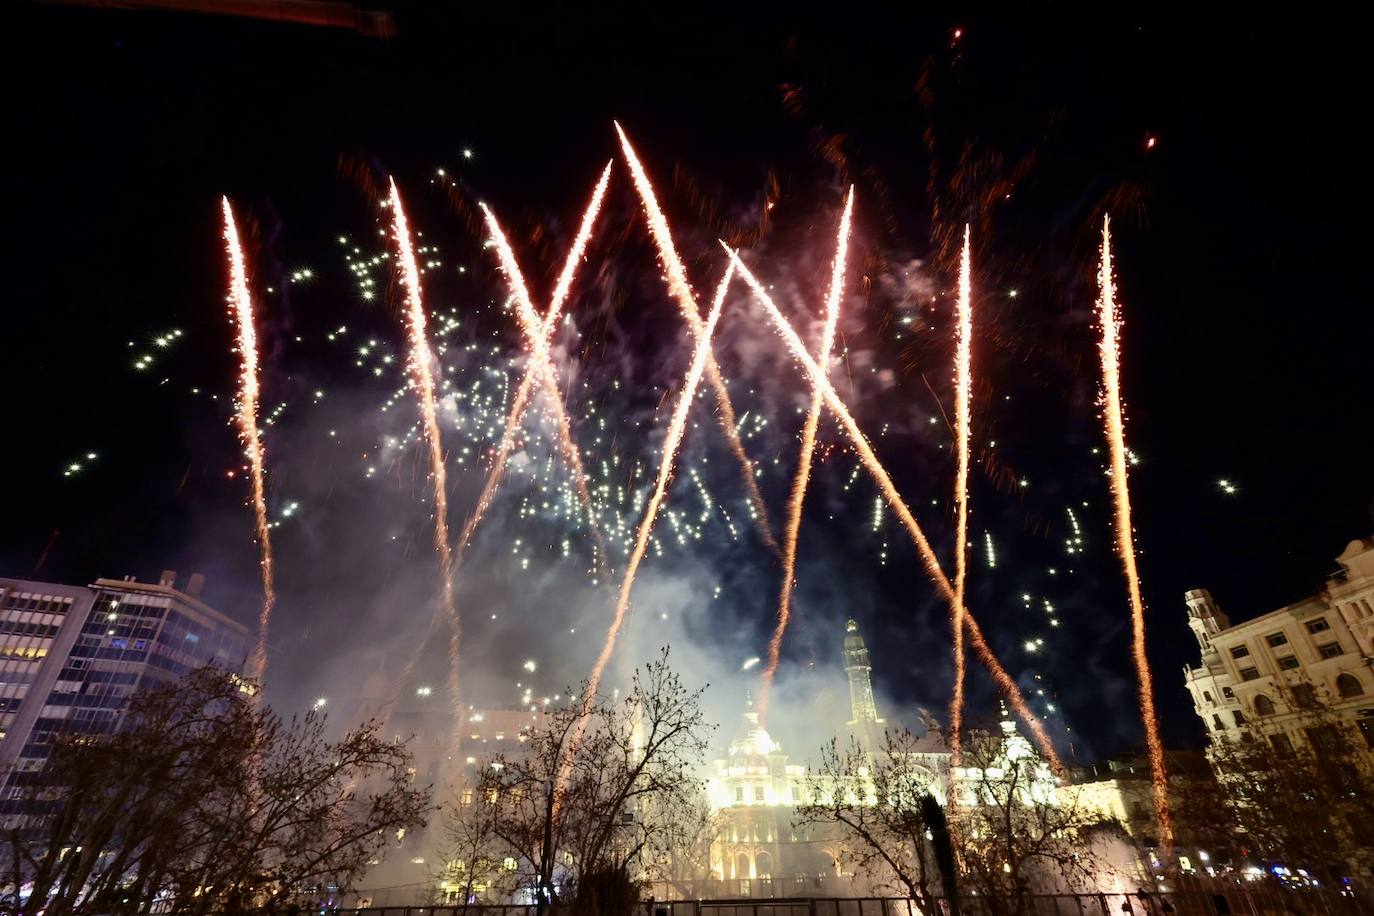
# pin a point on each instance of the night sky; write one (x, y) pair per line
(1226, 151)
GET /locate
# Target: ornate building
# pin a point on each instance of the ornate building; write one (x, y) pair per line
(1256, 678)
(754, 791)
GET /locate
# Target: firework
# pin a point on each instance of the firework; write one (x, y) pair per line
(677, 427)
(247, 417)
(1110, 318)
(963, 381)
(894, 500)
(808, 443)
(420, 359)
(541, 371)
(681, 291)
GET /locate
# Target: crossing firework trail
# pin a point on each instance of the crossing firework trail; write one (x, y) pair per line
(681, 291)
(246, 416)
(797, 497)
(677, 427)
(1109, 317)
(895, 502)
(540, 371)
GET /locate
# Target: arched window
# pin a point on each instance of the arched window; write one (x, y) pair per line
(742, 866)
(765, 865)
(1347, 685)
(1264, 706)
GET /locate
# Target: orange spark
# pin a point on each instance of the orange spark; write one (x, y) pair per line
(681, 290)
(963, 383)
(894, 501)
(247, 418)
(1110, 318)
(808, 444)
(420, 359)
(540, 370)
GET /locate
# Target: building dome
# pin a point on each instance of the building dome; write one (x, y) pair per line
(751, 738)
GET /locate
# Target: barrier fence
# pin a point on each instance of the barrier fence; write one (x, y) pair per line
(1229, 902)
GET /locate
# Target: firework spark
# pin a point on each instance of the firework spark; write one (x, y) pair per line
(681, 290)
(1109, 317)
(963, 382)
(894, 500)
(677, 427)
(247, 418)
(541, 371)
(420, 359)
(799, 484)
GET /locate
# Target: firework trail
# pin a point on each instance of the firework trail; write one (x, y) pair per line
(247, 417)
(681, 290)
(1110, 318)
(963, 383)
(808, 443)
(894, 501)
(677, 427)
(540, 370)
(420, 359)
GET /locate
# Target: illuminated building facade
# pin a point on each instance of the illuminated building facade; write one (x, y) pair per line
(1256, 677)
(754, 791)
(70, 656)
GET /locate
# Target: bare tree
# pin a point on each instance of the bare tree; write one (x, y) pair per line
(879, 803)
(202, 800)
(475, 862)
(592, 800)
(677, 860)
(1299, 789)
(1015, 833)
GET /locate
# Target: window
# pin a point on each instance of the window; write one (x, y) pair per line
(1318, 625)
(1249, 674)
(739, 793)
(758, 793)
(1276, 639)
(1240, 717)
(1366, 726)
(1330, 650)
(1324, 738)
(1240, 651)
(1288, 662)
(1304, 696)
(1282, 745)
(1216, 722)
(1228, 693)
(1264, 706)
(1347, 685)
(1207, 695)
(764, 864)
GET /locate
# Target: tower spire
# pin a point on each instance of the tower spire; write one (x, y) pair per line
(860, 670)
